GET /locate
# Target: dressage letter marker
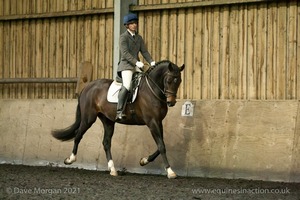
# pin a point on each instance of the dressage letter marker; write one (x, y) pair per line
(187, 109)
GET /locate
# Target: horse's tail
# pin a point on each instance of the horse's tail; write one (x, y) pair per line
(68, 133)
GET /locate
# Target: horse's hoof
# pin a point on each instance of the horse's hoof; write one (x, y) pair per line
(114, 173)
(172, 176)
(171, 173)
(144, 161)
(67, 161)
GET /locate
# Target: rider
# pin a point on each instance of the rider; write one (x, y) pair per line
(131, 43)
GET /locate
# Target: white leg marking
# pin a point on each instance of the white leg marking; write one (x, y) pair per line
(171, 173)
(144, 161)
(112, 168)
(70, 160)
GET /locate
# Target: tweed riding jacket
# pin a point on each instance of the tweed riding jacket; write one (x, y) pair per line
(130, 48)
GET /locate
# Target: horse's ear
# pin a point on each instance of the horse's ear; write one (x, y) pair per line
(182, 67)
(170, 66)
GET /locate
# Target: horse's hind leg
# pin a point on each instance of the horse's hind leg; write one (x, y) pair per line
(109, 127)
(85, 124)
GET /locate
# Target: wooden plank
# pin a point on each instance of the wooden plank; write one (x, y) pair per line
(99, 52)
(1, 49)
(38, 80)
(261, 51)
(52, 57)
(15, 38)
(45, 56)
(32, 55)
(291, 50)
(59, 55)
(65, 49)
(109, 24)
(271, 51)
(189, 55)
(1, 7)
(215, 52)
(172, 54)
(281, 51)
(148, 33)
(197, 54)
(242, 53)
(13, 7)
(252, 51)
(80, 43)
(27, 47)
(87, 12)
(224, 52)
(233, 48)
(1, 53)
(88, 38)
(178, 5)
(88, 4)
(156, 39)
(164, 36)
(206, 42)
(183, 50)
(38, 55)
(6, 49)
(298, 53)
(53, 50)
(72, 57)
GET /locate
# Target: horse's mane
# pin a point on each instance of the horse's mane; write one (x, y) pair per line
(157, 65)
(163, 61)
(162, 65)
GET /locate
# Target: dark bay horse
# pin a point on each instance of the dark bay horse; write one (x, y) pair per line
(157, 91)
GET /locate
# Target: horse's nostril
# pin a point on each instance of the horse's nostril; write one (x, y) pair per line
(170, 104)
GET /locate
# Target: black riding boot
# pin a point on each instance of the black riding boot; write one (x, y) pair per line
(122, 99)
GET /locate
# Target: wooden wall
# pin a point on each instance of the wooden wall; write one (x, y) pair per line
(231, 51)
(249, 49)
(49, 44)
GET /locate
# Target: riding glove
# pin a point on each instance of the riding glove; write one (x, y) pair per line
(152, 63)
(139, 64)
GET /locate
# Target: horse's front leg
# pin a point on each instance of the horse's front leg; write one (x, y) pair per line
(144, 161)
(109, 127)
(156, 129)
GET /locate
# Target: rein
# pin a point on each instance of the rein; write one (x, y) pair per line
(147, 81)
(165, 93)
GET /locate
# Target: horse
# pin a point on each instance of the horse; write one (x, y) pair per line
(157, 91)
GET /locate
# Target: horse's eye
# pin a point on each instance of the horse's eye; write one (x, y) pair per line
(169, 80)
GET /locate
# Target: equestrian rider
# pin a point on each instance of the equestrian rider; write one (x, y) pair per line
(131, 43)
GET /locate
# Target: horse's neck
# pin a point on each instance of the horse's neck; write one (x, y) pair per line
(157, 75)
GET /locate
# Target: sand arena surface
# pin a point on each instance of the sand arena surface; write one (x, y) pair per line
(28, 182)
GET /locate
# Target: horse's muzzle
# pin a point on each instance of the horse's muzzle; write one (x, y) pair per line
(171, 101)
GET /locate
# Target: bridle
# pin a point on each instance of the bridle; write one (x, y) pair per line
(166, 93)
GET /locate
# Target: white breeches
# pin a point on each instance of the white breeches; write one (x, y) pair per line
(127, 77)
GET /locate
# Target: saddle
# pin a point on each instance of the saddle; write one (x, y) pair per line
(115, 86)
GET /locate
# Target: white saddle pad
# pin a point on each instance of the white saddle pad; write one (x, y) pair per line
(113, 92)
